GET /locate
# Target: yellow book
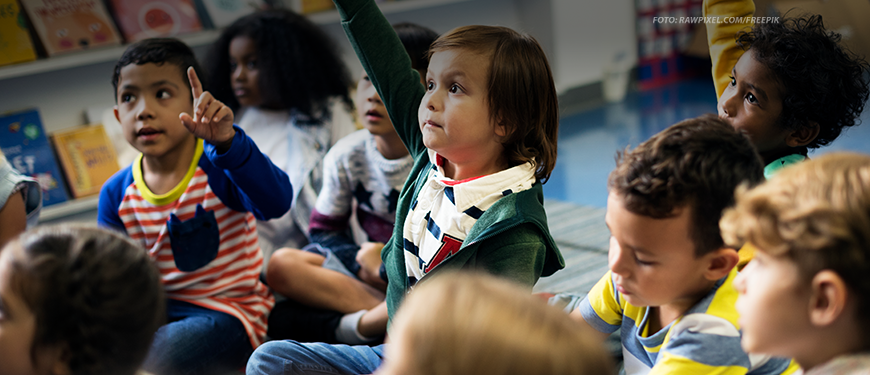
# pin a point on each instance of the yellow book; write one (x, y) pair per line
(313, 6)
(87, 158)
(15, 43)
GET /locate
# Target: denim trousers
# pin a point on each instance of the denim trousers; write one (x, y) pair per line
(197, 340)
(291, 357)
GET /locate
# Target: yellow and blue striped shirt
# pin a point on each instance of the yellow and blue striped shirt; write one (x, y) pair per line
(704, 340)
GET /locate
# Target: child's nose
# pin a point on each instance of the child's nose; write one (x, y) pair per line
(728, 102)
(616, 258)
(143, 110)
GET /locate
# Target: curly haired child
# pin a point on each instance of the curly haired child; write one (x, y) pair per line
(483, 133)
(788, 84)
(76, 300)
(474, 323)
(806, 293)
(669, 285)
(285, 78)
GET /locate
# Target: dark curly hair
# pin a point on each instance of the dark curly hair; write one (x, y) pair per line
(696, 163)
(299, 64)
(822, 81)
(160, 51)
(94, 292)
(520, 89)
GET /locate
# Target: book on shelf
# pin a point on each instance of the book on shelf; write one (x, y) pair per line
(23, 140)
(216, 14)
(309, 6)
(142, 19)
(87, 158)
(15, 43)
(105, 115)
(71, 25)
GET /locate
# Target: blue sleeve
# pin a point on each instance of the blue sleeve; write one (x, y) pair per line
(111, 195)
(249, 181)
(387, 63)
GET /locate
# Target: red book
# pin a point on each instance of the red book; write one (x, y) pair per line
(142, 19)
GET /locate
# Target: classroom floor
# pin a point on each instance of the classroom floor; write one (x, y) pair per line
(589, 139)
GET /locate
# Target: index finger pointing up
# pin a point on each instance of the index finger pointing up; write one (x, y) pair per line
(195, 84)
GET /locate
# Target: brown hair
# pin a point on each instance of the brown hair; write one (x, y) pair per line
(696, 163)
(93, 292)
(474, 323)
(816, 213)
(521, 92)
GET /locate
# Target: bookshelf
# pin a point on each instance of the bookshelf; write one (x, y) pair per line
(99, 55)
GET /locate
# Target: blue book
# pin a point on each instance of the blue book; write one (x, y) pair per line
(23, 140)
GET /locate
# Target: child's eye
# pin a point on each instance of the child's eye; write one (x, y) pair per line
(751, 98)
(643, 262)
(126, 98)
(252, 65)
(454, 89)
(233, 66)
(430, 85)
(366, 78)
(733, 80)
(163, 94)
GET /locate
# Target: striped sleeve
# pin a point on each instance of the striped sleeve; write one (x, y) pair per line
(601, 308)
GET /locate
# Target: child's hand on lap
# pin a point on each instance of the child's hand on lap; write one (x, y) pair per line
(212, 120)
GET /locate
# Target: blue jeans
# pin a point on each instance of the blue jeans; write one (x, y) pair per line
(198, 340)
(291, 357)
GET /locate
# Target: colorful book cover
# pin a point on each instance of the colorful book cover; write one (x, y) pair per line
(87, 157)
(15, 43)
(23, 140)
(221, 13)
(142, 19)
(71, 25)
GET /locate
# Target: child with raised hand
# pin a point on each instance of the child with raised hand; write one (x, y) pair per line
(191, 199)
(669, 288)
(324, 281)
(20, 201)
(483, 136)
(787, 84)
(286, 80)
(806, 293)
(474, 323)
(76, 300)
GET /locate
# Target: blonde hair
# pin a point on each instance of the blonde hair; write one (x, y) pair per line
(816, 213)
(464, 323)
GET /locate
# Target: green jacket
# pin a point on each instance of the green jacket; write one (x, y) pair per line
(511, 239)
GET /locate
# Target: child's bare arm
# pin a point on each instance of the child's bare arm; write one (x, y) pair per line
(578, 317)
(724, 51)
(212, 120)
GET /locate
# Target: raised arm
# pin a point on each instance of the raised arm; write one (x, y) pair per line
(724, 51)
(384, 58)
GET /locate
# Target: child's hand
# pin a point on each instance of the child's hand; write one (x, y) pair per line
(369, 259)
(212, 120)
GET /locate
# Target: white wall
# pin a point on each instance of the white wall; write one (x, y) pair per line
(580, 37)
(587, 36)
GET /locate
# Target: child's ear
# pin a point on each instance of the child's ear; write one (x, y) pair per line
(828, 299)
(115, 109)
(720, 263)
(803, 135)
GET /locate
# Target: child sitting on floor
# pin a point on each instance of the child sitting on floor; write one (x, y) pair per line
(483, 135)
(283, 76)
(367, 169)
(473, 323)
(787, 84)
(192, 199)
(77, 301)
(669, 285)
(806, 293)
